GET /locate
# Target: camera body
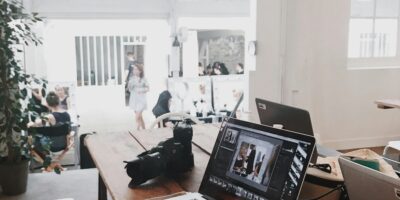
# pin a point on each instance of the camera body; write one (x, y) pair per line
(169, 157)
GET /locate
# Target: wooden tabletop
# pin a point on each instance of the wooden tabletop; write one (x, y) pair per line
(189, 181)
(388, 103)
(108, 151)
(204, 136)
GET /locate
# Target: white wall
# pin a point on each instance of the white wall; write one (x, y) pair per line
(190, 55)
(61, 67)
(245, 24)
(137, 8)
(340, 100)
(265, 82)
(60, 64)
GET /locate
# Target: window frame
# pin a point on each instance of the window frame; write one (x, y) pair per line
(374, 62)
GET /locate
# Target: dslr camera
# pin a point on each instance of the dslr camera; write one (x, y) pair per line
(169, 157)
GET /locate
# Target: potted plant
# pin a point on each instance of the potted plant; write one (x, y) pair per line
(16, 108)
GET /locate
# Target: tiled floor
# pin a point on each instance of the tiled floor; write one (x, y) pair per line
(111, 121)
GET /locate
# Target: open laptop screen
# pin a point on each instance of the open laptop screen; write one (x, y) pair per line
(290, 118)
(253, 161)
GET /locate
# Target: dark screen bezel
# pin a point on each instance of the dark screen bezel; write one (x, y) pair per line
(265, 128)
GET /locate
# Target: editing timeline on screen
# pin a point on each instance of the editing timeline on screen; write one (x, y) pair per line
(250, 165)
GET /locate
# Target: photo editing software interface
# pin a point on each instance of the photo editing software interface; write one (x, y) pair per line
(253, 164)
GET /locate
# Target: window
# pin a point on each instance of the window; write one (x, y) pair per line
(373, 32)
(100, 60)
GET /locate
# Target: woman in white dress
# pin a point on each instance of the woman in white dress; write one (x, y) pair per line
(138, 87)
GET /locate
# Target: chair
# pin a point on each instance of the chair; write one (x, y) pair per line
(167, 115)
(61, 137)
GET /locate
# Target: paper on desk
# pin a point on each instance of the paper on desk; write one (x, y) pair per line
(181, 196)
(336, 173)
(384, 167)
(188, 196)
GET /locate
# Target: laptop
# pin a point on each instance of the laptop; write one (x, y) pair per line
(286, 117)
(366, 183)
(257, 162)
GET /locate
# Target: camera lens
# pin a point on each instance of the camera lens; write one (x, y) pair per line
(145, 168)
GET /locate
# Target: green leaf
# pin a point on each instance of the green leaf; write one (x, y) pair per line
(2, 101)
(16, 111)
(47, 161)
(17, 129)
(57, 170)
(3, 128)
(24, 92)
(19, 27)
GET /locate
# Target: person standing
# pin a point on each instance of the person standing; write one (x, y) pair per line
(138, 87)
(131, 61)
(250, 159)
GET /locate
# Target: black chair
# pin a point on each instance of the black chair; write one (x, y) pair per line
(61, 140)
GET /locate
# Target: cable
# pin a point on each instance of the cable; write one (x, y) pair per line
(334, 189)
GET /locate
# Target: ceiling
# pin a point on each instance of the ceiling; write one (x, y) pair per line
(138, 8)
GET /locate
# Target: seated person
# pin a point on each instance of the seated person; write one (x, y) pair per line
(57, 115)
(223, 69)
(162, 107)
(203, 108)
(209, 71)
(62, 94)
(239, 68)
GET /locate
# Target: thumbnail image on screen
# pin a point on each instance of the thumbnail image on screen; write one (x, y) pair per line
(230, 136)
(254, 160)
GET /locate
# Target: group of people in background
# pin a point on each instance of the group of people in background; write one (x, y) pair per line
(52, 107)
(218, 68)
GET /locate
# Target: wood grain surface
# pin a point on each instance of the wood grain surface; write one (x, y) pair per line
(189, 181)
(108, 151)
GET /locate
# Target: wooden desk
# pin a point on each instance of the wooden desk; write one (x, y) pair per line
(108, 152)
(191, 180)
(388, 103)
